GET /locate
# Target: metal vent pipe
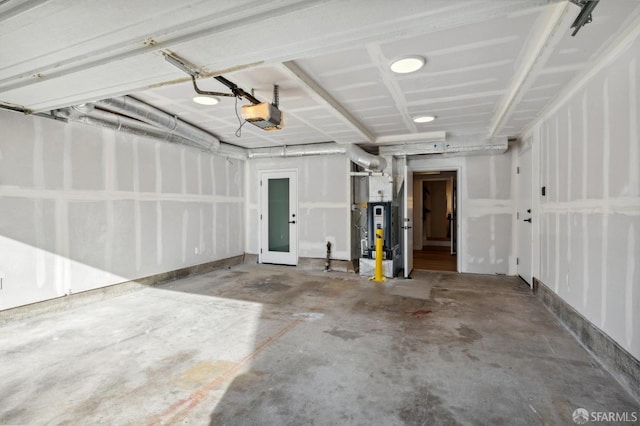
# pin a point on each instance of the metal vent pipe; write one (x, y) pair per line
(87, 114)
(144, 112)
(355, 153)
(172, 129)
(120, 123)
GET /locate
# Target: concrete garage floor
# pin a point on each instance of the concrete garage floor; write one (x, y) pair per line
(262, 344)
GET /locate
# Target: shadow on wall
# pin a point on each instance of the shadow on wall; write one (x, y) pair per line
(84, 208)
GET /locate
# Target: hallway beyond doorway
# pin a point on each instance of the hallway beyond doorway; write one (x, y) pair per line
(435, 258)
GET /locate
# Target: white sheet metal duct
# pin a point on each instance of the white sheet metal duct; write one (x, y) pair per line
(87, 114)
(160, 125)
(460, 146)
(355, 153)
(144, 112)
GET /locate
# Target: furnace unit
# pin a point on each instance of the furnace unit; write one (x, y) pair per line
(381, 215)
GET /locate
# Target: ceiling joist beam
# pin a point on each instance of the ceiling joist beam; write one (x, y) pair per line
(545, 37)
(320, 94)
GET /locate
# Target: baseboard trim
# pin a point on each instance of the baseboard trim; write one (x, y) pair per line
(613, 357)
(102, 293)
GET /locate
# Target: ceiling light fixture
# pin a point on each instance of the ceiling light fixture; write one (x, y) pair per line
(407, 64)
(206, 100)
(424, 118)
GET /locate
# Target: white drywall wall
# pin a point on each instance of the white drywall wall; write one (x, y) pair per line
(484, 210)
(589, 161)
(82, 208)
(324, 203)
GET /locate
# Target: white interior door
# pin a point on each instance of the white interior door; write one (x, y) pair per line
(408, 220)
(524, 215)
(279, 217)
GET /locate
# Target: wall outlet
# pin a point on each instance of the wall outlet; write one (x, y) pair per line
(196, 250)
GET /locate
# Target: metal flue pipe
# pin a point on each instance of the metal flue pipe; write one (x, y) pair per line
(144, 112)
(367, 160)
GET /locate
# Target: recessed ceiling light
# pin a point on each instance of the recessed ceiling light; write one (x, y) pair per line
(407, 64)
(205, 100)
(423, 118)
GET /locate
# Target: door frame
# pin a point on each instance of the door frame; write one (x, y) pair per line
(263, 176)
(406, 220)
(459, 170)
(521, 215)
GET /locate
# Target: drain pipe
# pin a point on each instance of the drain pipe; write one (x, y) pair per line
(144, 112)
(355, 153)
(327, 264)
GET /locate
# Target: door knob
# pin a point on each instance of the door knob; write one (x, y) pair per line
(528, 220)
(292, 221)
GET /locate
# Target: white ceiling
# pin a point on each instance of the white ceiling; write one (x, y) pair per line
(492, 66)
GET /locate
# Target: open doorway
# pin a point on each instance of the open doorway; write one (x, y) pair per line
(435, 220)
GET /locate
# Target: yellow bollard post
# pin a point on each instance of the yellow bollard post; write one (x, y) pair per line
(379, 276)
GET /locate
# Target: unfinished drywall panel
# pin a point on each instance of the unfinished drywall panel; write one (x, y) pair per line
(485, 209)
(577, 168)
(324, 199)
(590, 216)
(85, 165)
(85, 207)
(488, 239)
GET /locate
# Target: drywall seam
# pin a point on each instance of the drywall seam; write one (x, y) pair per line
(227, 181)
(477, 207)
(568, 197)
(585, 259)
(585, 224)
(199, 171)
(606, 154)
(110, 183)
(214, 223)
(185, 230)
(628, 302)
(634, 146)
(492, 218)
(63, 266)
(322, 205)
(38, 214)
(158, 188)
(556, 193)
(201, 242)
(569, 153)
(183, 171)
(137, 215)
(227, 227)
(82, 195)
(556, 284)
(628, 206)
